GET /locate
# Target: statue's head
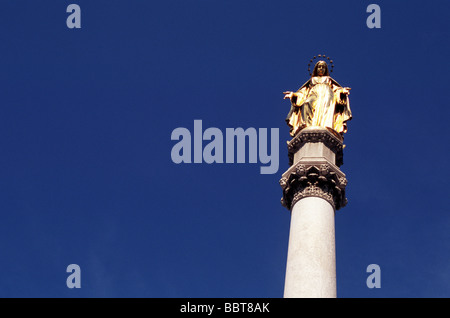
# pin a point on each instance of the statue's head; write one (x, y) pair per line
(321, 69)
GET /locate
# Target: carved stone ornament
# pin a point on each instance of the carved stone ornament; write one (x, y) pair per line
(327, 137)
(325, 181)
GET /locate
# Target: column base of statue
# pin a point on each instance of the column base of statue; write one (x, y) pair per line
(313, 189)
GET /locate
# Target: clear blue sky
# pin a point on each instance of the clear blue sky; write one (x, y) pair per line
(86, 117)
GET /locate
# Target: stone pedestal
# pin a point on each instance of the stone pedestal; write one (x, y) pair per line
(313, 189)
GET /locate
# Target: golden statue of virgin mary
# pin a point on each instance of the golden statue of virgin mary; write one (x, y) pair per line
(321, 102)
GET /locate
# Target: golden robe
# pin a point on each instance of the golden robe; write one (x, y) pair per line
(319, 102)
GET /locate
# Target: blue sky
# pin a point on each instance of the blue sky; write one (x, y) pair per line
(87, 114)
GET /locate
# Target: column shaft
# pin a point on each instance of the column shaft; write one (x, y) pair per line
(311, 262)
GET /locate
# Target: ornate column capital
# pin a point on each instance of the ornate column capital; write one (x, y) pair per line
(318, 155)
(325, 181)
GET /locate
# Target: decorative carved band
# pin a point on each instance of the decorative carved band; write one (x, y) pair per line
(316, 135)
(325, 181)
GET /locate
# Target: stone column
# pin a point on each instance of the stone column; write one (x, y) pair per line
(313, 189)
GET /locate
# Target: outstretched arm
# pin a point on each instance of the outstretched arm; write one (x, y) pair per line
(296, 98)
(288, 95)
(341, 94)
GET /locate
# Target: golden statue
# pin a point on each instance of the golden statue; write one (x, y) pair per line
(321, 101)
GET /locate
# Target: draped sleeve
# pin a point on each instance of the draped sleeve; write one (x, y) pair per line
(342, 111)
